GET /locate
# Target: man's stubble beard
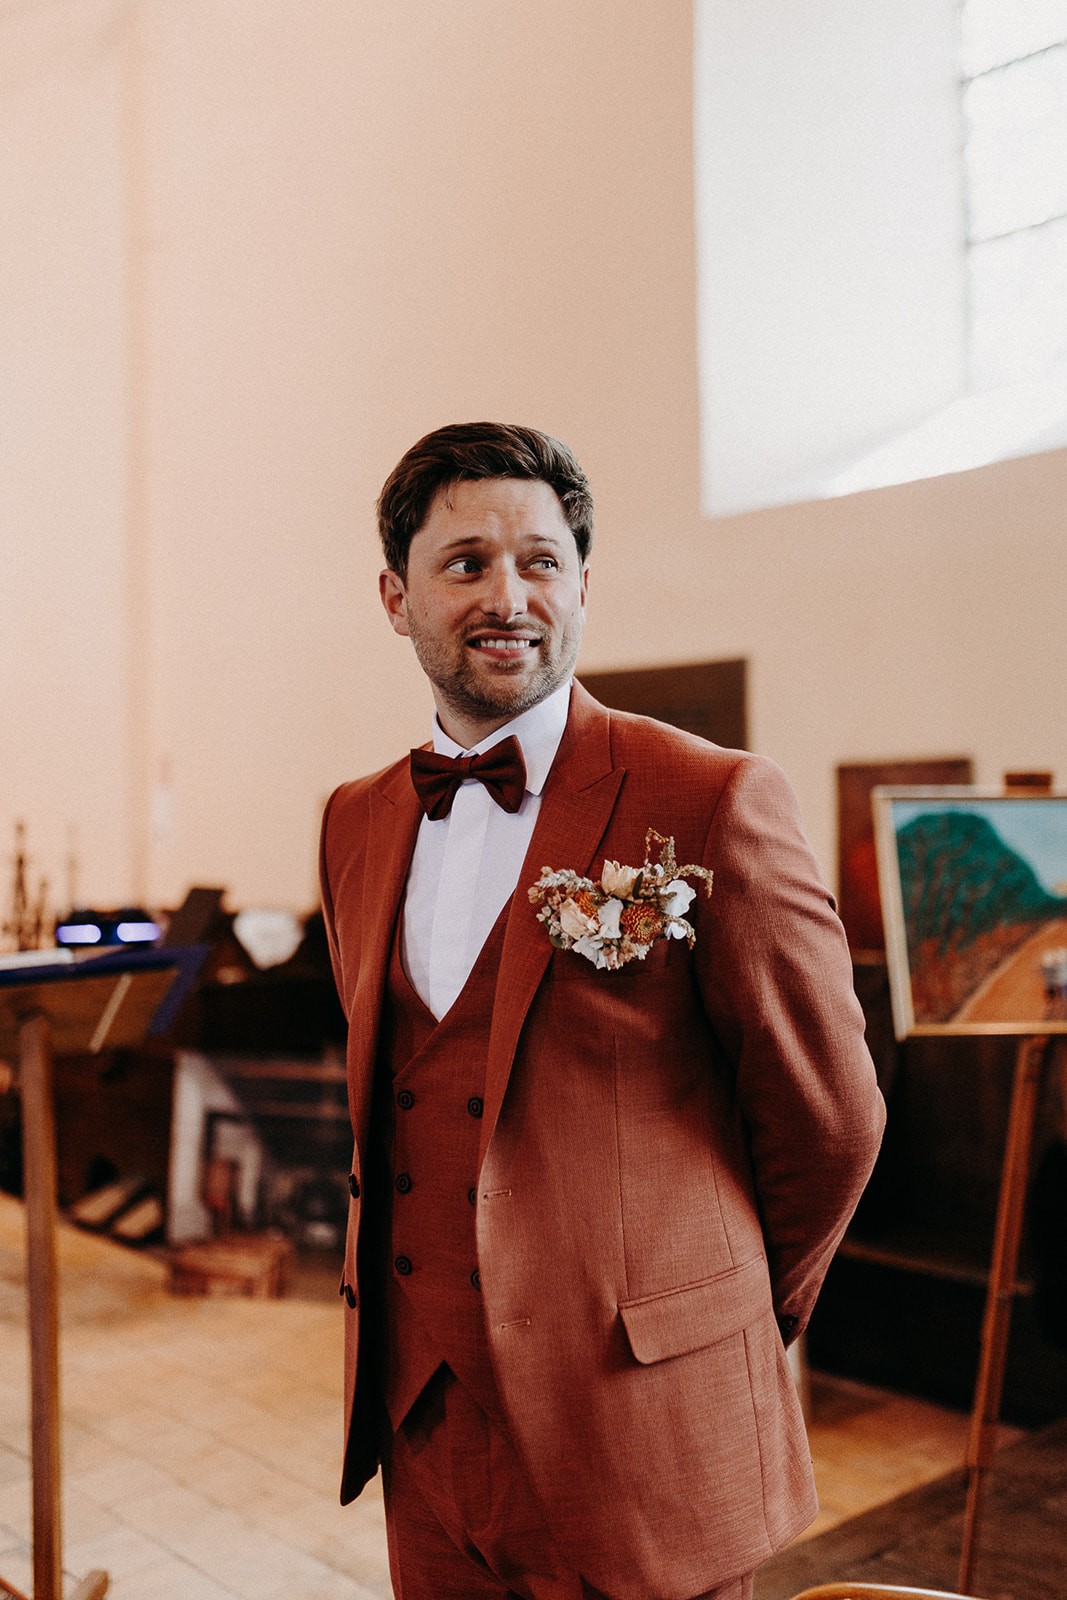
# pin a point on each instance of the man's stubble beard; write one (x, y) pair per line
(469, 697)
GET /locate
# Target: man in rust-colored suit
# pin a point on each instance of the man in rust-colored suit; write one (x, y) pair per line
(607, 1137)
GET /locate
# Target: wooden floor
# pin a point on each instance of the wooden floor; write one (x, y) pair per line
(1021, 1553)
(201, 1437)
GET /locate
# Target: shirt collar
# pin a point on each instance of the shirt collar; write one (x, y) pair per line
(538, 730)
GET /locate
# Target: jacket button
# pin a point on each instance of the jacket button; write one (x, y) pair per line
(472, 1196)
(350, 1296)
(787, 1326)
(403, 1182)
(475, 1105)
(353, 1185)
(476, 1278)
(403, 1266)
(405, 1099)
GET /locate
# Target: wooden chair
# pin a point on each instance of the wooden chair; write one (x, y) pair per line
(877, 1591)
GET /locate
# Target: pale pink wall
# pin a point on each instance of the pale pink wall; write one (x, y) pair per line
(462, 211)
(68, 690)
(920, 620)
(292, 239)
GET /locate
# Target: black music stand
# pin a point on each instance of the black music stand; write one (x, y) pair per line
(64, 1007)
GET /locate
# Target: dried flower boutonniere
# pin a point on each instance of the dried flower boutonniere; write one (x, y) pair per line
(620, 918)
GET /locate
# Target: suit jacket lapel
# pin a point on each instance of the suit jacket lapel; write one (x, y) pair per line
(578, 800)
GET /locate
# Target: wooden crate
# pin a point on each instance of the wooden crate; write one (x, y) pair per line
(255, 1264)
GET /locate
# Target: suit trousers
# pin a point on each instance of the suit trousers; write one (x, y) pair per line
(462, 1519)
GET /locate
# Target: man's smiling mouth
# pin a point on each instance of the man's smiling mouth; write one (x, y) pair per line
(514, 642)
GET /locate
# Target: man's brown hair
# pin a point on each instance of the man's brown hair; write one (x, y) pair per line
(466, 450)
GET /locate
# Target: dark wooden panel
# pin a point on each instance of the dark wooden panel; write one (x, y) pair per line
(704, 697)
(113, 1118)
(903, 1301)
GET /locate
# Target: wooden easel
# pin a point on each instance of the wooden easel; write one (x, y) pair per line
(1042, 1035)
(60, 1009)
(1032, 1059)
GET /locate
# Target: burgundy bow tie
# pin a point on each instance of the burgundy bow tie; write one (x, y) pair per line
(501, 769)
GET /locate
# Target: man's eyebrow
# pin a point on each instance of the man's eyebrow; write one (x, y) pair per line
(462, 541)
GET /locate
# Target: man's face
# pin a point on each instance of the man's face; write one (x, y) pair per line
(493, 601)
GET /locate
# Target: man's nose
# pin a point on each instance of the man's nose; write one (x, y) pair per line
(505, 595)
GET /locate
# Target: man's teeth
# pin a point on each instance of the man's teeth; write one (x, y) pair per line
(504, 644)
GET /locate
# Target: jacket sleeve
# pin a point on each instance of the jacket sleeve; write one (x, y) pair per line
(776, 979)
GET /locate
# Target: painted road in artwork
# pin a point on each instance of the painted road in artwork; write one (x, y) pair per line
(1018, 987)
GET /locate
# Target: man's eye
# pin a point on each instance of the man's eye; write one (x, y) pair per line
(462, 564)
(548, 562)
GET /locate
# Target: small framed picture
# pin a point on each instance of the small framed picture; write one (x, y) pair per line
(974, 899)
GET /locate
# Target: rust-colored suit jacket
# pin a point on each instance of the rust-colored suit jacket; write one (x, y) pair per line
(669, 1155)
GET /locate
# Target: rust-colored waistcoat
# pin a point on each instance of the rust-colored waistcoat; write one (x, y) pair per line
(433, 1295)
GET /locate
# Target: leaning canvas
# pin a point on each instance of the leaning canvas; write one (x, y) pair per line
(974, 896)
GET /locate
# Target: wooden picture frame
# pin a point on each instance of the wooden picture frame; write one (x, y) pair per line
(858, 902)
(974, 901)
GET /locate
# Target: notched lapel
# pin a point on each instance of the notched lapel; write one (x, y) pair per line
(578, 802)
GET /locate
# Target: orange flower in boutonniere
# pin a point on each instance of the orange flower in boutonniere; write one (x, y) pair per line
(620, 918)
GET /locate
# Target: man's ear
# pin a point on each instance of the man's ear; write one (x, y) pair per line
(394, 599)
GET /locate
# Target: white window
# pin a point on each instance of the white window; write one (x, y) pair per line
(1014, 60)
(870, 311)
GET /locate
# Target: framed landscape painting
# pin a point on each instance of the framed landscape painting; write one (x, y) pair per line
(974, 898)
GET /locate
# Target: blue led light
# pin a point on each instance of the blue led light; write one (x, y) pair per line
(79, 933)
(85, 926)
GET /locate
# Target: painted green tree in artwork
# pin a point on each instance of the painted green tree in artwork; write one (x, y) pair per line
(959, 880)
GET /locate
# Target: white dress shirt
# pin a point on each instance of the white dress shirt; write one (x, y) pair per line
(465, 867)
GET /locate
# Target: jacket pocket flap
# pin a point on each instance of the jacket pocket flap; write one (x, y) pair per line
(678, 1321)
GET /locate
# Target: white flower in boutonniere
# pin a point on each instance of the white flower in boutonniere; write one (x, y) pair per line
(619, 880)
(620, 918)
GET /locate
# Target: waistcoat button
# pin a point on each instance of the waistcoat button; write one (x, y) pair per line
(403, 1182)
(353, 1185)
(403, 1266)
(405, 1099)
(350, 1296)
(472, 1196)
(475, 1105)
(476, 1278)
